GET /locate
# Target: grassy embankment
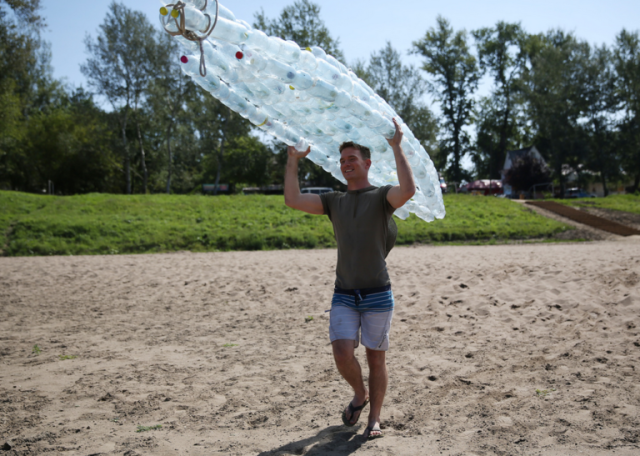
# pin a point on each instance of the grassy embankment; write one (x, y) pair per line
(626, 203)
(110, 224)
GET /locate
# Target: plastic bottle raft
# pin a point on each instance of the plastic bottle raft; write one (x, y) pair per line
(303, 97)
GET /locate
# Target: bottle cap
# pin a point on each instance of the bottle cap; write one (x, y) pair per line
(184, 59)
(175, 13)
(164, 11)
(239, 55)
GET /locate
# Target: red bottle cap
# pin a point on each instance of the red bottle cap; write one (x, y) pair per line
(184, 59)
(239, 55)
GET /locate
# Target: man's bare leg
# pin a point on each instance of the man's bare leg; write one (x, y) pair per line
(349, 368)
(378, 380)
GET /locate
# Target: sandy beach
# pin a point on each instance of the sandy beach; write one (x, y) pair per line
(529, 349)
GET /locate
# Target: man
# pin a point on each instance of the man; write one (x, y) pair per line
(365, 233)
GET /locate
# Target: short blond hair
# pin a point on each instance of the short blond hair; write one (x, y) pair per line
(364, 151)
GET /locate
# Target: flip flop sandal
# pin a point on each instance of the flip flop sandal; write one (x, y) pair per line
(370, 429)
(352, 410)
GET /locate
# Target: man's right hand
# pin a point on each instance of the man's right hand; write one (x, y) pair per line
(293, 153)
(306, 202)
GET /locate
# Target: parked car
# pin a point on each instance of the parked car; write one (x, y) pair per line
(316, 190)
(577, 193)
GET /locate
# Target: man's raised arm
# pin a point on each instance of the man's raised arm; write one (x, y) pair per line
(402, 193)
(307, 202)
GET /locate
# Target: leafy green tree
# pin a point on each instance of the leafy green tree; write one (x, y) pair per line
(600, 106)
(224, 138)
(301, 23)
(455, 75)
(627, 65)
(27, 11)
(403, 88)
(124, 59)
(500, 52)
(27, 88)
(167, 100)
(552, 82)
(247, 161)
(69, 144)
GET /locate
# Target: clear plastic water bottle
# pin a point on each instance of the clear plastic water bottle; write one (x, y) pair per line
(211, 8)
(257, 40)
(307, 61)
(324, 90)
(288, 51)
(232, 32)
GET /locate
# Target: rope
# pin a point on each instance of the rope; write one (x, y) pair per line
(188, 34)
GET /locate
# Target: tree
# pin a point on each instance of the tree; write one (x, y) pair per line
(20, 27)
(552, 84)
(167, 98)
(627, 66)
(26, 88)
(403, 88)
(455, 76)
(600, 105)
(301, 23)
(68, 143)
(500, 53)
(27, 11)
(124, 59)
(220, 131)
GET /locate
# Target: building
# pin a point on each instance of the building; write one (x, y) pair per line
(515, 155)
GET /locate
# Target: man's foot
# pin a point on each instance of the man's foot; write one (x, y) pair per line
(351, 414)
(373, 431)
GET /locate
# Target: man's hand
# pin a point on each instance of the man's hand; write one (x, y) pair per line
(294, 153)
(397, 137)
(307, 202)
(406, 188)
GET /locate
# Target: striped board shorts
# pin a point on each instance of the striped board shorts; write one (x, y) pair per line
(367, 312)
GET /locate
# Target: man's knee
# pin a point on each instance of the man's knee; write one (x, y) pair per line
(376, 359)
(343, 350)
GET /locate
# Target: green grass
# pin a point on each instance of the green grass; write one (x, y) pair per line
(149, 428)
(64, 357)
(117, 224)
(543, 393)
(626, 203)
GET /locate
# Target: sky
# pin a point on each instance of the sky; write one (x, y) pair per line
(363, 27)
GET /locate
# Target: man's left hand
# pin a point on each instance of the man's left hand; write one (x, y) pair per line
(397, 137)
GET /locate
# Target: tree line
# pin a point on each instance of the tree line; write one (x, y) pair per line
(142, 126)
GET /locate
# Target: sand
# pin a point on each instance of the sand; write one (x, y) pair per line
(498, 350)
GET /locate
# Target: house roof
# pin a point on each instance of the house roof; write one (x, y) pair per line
(517, 154)
(514, 155)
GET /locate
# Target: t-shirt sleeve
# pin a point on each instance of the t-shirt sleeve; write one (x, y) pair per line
(388, 208)
(326, 199)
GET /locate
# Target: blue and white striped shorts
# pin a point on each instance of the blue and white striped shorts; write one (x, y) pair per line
(371, 316)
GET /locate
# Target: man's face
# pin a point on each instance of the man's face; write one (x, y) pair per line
(352, 165)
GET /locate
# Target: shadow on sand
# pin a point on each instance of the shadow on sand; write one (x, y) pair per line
(333, 440)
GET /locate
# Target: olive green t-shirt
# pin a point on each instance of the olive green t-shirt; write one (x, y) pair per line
(365, 233)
